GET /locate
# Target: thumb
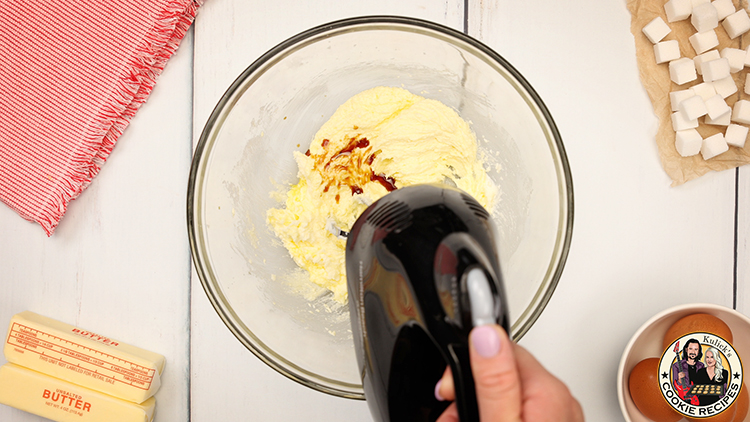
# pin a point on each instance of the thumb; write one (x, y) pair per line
(496, 379)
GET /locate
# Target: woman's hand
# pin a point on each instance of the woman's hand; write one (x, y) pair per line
(511, 385)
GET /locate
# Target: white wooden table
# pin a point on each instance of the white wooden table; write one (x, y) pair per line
(119, 263)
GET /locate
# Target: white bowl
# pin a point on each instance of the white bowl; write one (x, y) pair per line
(647, 342)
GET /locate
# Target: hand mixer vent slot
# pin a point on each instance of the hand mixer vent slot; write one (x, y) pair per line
(473, 205)
(392, 216)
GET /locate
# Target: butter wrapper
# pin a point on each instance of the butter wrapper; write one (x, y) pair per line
(83, 357)
(61, 401)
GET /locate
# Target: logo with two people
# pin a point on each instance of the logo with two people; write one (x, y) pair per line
(700, 375)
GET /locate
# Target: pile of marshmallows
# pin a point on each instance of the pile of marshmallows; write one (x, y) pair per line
(707, 98)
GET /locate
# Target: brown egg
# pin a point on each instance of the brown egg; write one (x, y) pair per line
(643, 384)
(697, 323)
(742, 404)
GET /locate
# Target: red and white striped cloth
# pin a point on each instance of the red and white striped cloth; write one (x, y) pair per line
(72, 75)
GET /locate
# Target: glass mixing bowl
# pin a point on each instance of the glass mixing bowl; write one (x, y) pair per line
(276, 105)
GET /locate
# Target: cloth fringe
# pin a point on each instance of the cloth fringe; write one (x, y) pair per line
(134, 86)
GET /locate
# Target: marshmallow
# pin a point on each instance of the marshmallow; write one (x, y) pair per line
(715, 69)
(656, 30)
(696, 3)
(713, 146)
(705, 90)
(741, 112)
(736, 135)
(680, 123)
(725, 87)
(693, 108)
(737, 23)
(688, 142)
(676, 97)
(716, 107)
(705, 57)
(724, 8)
(736, 58)
(666, 51)
(747, 84)
(705, 17)
(747, 57)
(703, 41)
(723, 120)
(678, 10)
(682, 71)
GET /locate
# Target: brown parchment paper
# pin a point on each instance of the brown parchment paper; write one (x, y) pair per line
(655, 78)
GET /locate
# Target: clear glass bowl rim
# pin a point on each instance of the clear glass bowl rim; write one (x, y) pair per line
(215, 119)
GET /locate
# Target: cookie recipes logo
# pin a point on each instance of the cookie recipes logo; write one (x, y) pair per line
(700, 375)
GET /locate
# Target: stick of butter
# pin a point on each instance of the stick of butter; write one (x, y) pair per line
(62, 401)
(82, 357)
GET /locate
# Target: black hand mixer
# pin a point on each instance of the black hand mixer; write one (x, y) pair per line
(422, 270)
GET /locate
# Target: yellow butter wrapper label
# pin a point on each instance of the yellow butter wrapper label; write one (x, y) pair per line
(61, 401)
(83, 357)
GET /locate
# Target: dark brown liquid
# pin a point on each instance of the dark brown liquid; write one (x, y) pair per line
(350, 166)
(388, 182)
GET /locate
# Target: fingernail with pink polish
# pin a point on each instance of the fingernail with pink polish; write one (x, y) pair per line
(437, 390)
(486, 341)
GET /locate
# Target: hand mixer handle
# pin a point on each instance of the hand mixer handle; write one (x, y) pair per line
(482, 309)
(463, 381)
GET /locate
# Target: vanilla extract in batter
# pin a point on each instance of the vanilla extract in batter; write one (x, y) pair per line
(380, 140)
